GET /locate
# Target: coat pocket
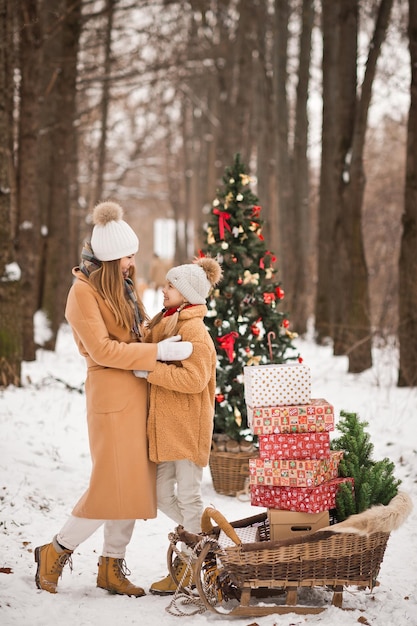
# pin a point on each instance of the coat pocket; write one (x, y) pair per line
(110, 390)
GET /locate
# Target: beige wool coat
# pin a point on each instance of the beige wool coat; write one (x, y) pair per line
(123, 480)
(181, 413)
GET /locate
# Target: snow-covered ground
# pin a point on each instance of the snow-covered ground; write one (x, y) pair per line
(45, 464)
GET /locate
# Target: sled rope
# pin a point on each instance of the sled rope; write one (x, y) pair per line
(183, 596)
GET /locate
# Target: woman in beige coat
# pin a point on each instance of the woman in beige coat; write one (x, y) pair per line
(106, 318)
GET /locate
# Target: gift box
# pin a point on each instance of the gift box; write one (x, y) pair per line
(289, 525)
(316, 416)
(300, 499)
(275, 384)
(294, 472)
(295, 446)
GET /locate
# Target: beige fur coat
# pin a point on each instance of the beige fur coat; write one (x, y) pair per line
(181, 412)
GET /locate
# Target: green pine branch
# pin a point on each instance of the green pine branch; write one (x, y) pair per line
(374, 481)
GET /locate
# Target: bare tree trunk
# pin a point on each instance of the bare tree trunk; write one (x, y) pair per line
(354, 336)
(29, 237)
(283, 160)
(244, 79)
(105, 101)
(10, 279)
(328, 172)
(57, 263)
(348, 33)
(407, 331)
(301, 188)
(358, 311)
(264, 138)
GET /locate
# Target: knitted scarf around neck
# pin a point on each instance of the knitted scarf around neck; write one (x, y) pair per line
(90, 264)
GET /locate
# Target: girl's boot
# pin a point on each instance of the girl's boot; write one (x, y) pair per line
(51, 559)
(112, 577)
(167, 586)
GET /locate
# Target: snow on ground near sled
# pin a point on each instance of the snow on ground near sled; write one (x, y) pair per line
(44, 468)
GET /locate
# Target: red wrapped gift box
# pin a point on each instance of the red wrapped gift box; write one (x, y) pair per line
(316, 416)
(295, 446)
(301, 499)
(294, 472)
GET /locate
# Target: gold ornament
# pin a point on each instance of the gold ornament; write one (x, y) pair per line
(245, 179)
(254, 360)
(210, 237)
(269, 273)
(238, 416)
(252, 279)
(228, 199)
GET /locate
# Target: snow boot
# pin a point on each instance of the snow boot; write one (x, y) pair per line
(112, 577)
(167, 585)
(51, 559)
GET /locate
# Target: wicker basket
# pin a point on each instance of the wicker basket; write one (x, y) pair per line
(229, 471)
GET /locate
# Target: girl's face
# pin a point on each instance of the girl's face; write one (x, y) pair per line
(172, 297)
(126, 263)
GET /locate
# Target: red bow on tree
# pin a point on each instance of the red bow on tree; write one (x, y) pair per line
(223, 217)
(262, 262)
(227, 343)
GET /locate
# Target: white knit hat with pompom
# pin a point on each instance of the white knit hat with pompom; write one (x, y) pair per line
(195, 280)
(112, 237)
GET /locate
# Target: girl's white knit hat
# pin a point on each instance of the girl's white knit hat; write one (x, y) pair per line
(112, 238)
(195, 280)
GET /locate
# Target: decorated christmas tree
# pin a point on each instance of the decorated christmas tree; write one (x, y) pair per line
(245, 318)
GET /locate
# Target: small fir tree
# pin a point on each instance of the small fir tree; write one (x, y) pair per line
(244, 319)
(374, 481)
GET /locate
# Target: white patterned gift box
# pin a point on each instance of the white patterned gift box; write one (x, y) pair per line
(277, 384)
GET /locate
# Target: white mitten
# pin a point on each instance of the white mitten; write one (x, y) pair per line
(173, 349)
(141, 373)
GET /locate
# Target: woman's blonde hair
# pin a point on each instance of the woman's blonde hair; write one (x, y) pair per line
(109, 282)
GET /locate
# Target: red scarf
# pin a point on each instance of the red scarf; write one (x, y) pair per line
(174, 309)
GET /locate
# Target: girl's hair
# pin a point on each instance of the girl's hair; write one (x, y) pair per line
(109, 282)
(170, 324)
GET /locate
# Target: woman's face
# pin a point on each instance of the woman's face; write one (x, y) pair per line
(172, 297)
(126, 263)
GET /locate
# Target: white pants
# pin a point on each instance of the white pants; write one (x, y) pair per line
(117, 534)
(178, 491)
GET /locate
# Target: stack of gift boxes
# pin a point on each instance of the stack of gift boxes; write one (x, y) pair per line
(296, 473)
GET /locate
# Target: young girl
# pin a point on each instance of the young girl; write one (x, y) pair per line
(180, 420)
(106, 318)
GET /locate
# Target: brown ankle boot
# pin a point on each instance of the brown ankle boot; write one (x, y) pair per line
(112, 577)
(167, 586)
(51, 559)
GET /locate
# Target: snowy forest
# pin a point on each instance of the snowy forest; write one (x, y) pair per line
(147, 103)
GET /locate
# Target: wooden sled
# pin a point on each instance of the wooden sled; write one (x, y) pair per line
(264, 577)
